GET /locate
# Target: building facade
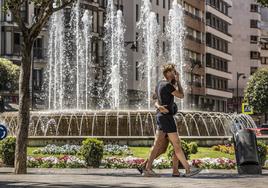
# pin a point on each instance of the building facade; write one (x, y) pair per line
(246, 48)
(11, 40)
(264, 37)
(218, 55)
(207, 49)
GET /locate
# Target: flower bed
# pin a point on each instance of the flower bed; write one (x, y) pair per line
(112, 149)
(67, 149)
(57, 150)
(128, 162)
(161, 163)
(217, 163)
(55, 162)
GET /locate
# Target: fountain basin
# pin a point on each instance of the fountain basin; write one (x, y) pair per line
(124, 123)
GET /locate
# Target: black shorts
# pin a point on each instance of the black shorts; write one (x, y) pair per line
(166, 123)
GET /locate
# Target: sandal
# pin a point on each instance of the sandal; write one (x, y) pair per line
(150, 173)
(141, 168)
(178, 175)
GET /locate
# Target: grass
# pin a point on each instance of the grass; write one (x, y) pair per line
(204, 152)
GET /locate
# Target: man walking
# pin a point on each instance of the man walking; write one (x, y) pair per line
(165, 92)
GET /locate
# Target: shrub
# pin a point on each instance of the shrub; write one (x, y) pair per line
(92, 152)
(262, 151)
(193, 147)
(185, 148)
(7, 150)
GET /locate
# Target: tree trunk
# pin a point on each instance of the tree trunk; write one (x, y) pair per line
(24, 109)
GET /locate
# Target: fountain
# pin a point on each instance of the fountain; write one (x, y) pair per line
(116, 63)
(149, 34)
(175, 35)
(70, 111)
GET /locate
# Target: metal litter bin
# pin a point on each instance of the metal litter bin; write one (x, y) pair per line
(246, 152)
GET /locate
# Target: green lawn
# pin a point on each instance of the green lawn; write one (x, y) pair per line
(204, 152)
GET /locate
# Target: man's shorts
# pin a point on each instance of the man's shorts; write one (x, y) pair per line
(166, 123)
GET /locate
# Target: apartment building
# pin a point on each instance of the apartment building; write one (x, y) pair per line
(264, 37)
(194, 46)
(218, 56)
(246, 48)
(11, 39)
(207, 49)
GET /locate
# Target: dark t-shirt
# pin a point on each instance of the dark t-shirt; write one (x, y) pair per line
(163, 91)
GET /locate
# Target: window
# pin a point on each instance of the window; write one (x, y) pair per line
(164, 47)
(137, 42)
(168, 4)
(253, 39)
(157, 2)
(253, 70)
(164, 23)
(157, 17)
(137, 71)
(164, 3)
(254, 55)
(16, 39)
(254, 24)
(37, 79)
(137, 13)
(254, 8)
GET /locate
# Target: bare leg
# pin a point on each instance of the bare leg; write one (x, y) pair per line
(159, 147)
(175, 165)
(174, 139)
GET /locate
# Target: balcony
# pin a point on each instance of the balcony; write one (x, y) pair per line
(38, 54)
(218, 92)
(195, 89)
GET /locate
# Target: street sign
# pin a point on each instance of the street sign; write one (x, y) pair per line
(3, 132)
(247, 109)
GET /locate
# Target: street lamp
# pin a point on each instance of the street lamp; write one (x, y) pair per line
(238, 75)
(32, 67)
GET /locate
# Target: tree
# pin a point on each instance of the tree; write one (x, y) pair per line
(30, 31)
(256, 91)
(9, 75)
(263, 2)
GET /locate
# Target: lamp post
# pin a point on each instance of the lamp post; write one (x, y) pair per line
(238, 75)
(32, 68)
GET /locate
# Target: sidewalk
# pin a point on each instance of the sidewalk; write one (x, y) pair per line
(127, 178)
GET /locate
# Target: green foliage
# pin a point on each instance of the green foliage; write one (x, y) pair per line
(263, 2)
(92, 152)
(262, 151)
(7, 150)
(9, 75)
(256, 91)
(193, 147)
(188, 148)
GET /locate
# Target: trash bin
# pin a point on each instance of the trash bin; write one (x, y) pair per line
(246, 152)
